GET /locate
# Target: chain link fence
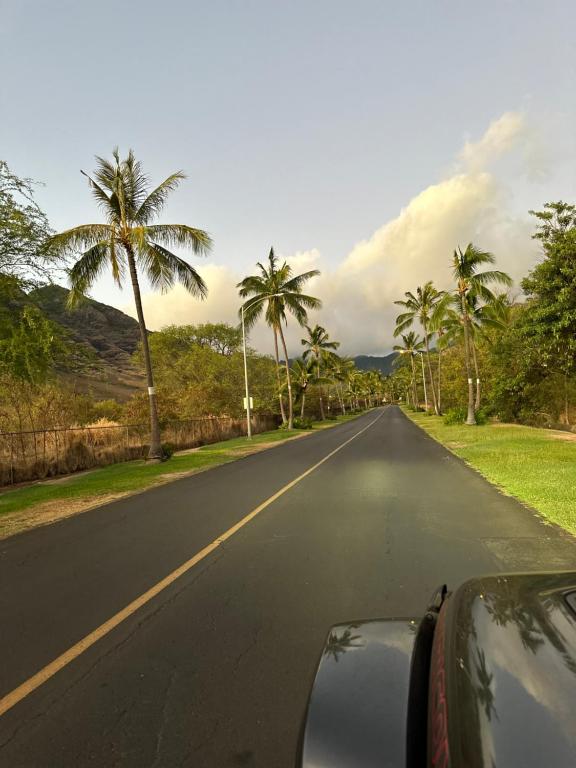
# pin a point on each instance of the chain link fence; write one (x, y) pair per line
(35, 455)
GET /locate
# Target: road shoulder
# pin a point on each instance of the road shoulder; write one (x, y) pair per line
(55, 499)
(532, 465)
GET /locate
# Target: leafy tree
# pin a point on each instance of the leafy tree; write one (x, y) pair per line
(24, 230)
(220, 337)
(551, 286)
(196, 380)
(277, 289)
(129, 240)
(30, 344)
(420, 307)
(320, 349)
(465, 266)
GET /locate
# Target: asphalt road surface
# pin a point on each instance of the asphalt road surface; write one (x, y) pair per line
(215, 670)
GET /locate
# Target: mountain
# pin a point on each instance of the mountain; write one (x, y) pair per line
(370, 363)
(108, 335)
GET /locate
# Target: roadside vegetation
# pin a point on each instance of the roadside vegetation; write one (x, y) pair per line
(536, 466)
(189, 371)
(489, 353)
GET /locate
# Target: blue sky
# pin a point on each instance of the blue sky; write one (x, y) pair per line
(307, 125)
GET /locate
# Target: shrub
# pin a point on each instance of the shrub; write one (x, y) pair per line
(458, 416)
(455, 415)
(167, 450)
(305, 423)
(298, 423)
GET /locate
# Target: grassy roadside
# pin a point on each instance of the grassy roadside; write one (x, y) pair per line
(50, 500)
(537, 466)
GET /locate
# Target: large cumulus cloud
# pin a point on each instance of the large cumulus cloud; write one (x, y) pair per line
(470, 204)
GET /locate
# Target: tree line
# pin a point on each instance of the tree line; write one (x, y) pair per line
(484, 352)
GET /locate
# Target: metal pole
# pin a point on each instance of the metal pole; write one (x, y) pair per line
(248, 414)
(424, 380)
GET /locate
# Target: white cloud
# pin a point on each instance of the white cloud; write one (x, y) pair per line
(471, 204)
(502, 135)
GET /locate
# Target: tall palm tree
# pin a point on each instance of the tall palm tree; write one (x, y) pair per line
(281, 292)
(412, 344)
(439, 324)
(130, 239)
(339, 369)
(319, 347)
(420, 307)
(301, 374)
(465, 266)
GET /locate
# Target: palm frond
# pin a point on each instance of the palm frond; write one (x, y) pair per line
(180, 236)
(153, 204)
(492, 276)
(296, 283)
(164, 269)
(87, 269)
(116, 262)
(78, 239)
(402, 325)
(253, 284)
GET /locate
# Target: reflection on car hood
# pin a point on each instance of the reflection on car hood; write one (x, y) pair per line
(511, 672)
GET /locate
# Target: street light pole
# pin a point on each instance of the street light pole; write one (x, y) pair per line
(424, 379)
(248, 409)
(248, 413)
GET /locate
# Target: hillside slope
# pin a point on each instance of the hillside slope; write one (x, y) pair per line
(106, 332)
(370, 363)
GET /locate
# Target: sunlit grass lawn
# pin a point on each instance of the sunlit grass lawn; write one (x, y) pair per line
(138, 475)
(537, 466)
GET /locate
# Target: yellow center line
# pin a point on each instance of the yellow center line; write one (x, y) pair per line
(30, 685)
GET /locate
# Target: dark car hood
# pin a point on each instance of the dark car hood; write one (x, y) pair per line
(511, 672)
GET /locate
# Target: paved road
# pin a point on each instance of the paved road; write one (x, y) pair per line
(215, 671)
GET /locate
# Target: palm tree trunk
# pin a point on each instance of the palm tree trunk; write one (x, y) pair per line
(342, 403)
(282, 411)
(322, 416)
(432, 385)
(475, 360)
(470, 418)
(288, 379)
(439, 374)
(415, 391)
(155, 452)
(303, 401)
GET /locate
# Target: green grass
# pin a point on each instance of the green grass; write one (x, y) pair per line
(537, 466)
(138, 475)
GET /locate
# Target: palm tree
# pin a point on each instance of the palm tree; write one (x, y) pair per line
(129, 239)
(439, 324)
(319, 346)
(301, 373)
(421, 307)
(465, 265)
(276, 287)
(412, 345)
(339, 369)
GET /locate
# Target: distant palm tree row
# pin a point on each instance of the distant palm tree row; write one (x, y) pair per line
(451, 317)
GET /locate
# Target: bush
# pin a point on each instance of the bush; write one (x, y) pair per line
(298, 423)
(458, 416)
(167, 450)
